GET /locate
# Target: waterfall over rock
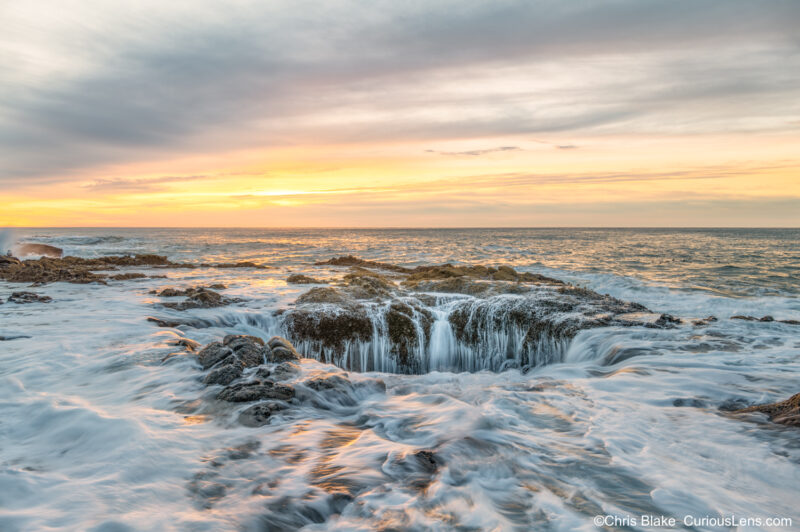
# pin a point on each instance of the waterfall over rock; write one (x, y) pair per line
(443, 318)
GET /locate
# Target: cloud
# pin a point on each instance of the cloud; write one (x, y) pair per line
(90, 84)
(138, 185)
(476, 153)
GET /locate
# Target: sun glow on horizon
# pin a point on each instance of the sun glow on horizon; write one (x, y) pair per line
(483, 119)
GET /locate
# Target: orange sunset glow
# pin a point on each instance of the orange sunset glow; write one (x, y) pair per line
(276, 117)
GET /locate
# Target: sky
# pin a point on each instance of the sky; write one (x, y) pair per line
(430, 113)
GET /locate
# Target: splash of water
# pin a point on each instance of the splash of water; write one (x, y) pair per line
(7, 240)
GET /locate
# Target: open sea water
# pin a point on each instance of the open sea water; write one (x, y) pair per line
(96, 433)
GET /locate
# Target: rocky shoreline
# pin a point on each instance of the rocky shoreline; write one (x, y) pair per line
(378, 316)
(82, 271)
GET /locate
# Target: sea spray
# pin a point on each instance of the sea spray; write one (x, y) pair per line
(7, 240)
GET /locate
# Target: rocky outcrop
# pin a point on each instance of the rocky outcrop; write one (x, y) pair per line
(785, 412)
(81, 270)
(361, 283)
(246, 369)
(28, 297)
(299, 278)
(127, 276)
(327, 328)
(350, 260)
(765, 319)
(6, 261)
(196, 297)
(47, 270)
(164, 323)
(495, 318)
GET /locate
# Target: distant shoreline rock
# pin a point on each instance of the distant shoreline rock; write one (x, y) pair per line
(81, 270)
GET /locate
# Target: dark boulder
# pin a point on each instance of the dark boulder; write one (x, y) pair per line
(187, 343)
(667, 320)
(28, 297)
(223, 375)
(213, 354)
(196, 298)
(164, 323)
(259, 414)
(254, 391)
(328, 328)
(281, 350)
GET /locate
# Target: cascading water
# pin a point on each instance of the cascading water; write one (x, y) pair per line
(442, 346)
(455, 334)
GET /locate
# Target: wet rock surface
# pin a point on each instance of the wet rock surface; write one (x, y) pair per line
(260, 414)
(127, 276)
(303, 279)
(28, 297)
(484, 317)
(81, 270)
(350, 260)
(784, 412)
(764, 319)
(268, 374)
(196, 297)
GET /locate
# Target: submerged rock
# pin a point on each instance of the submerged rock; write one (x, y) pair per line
(196, 297)
(28, 297)
(785, 412)
(667, 320)
(260, 414)
(254, 391)
(704, 321)
(164, 323)
(187, 343)
(81, 270)
(350, 260)
(299, 278)
(238, 350)
(503, 273)
(127, 276)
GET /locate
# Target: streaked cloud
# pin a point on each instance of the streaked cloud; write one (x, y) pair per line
(476, 153)
(139, 184)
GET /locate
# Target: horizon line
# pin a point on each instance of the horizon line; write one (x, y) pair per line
(397, 227)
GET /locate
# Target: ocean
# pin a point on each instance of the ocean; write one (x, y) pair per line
(101, 429)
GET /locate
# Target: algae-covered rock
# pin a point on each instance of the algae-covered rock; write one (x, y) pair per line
(408, 332)
(784, 412)
(299, 278)
(28, 297)
(254, 391)
(350, 260)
